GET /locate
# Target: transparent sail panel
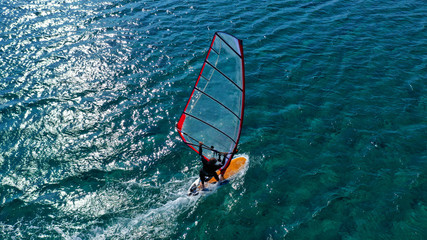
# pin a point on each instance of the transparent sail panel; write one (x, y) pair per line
(213, 114)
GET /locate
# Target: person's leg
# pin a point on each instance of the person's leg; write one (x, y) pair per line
(216, 176)
(221, 177)
(202, 178)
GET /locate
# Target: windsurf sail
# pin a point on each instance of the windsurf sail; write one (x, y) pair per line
(214, 112)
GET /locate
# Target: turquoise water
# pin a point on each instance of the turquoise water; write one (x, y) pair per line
(335, 122)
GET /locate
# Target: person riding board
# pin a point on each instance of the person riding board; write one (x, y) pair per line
(210, 167)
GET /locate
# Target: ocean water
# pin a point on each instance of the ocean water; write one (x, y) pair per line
(335, 121)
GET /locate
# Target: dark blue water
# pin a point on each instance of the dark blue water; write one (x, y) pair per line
(335, 121)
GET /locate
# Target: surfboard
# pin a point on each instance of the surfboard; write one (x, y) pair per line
(236, 165)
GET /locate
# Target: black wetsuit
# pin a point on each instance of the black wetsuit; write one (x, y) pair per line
(209, 168)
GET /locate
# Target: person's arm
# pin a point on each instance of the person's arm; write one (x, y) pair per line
(204, 161)
(224, 155)
(200, 148)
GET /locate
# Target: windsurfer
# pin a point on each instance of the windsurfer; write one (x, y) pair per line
(209, 168)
